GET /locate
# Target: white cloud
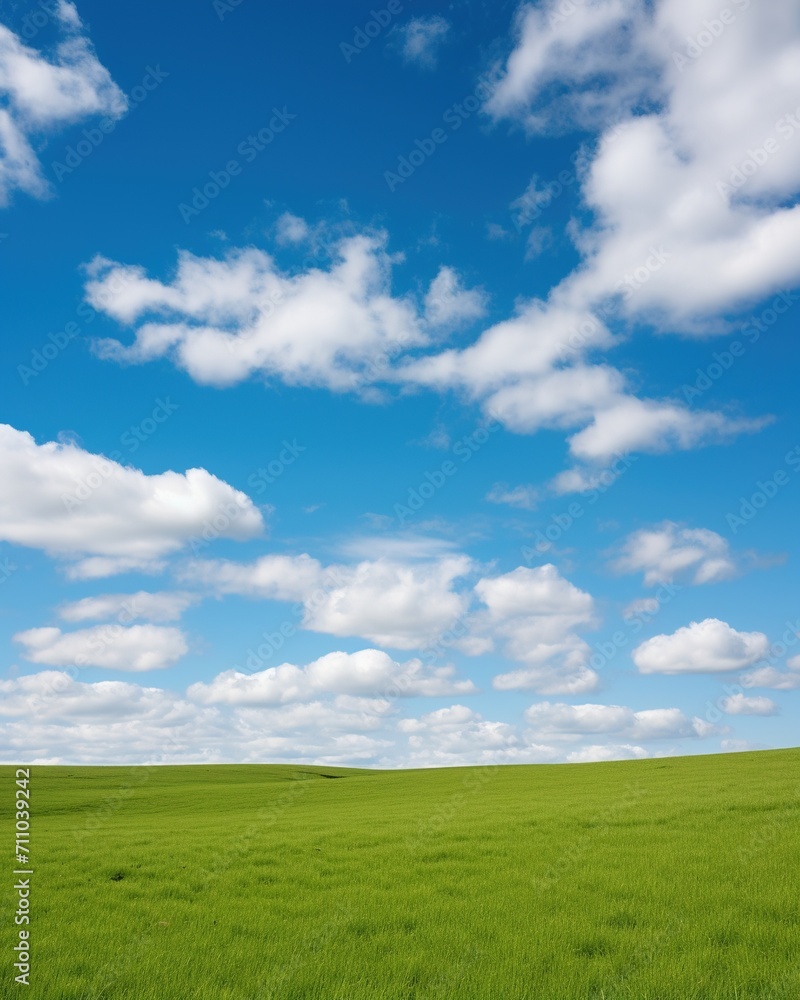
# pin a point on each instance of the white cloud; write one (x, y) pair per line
(73, 504)
(535, 613)
(54, 694)
(398, 604)
(661, 242)
(629, 424)
(449, 304)
(457, 735)
(740, 704)
(526, 497)
(595, 49)
(397, 547)
(272, 577)
(706, 647)
(643, 606)
(559, 720)
(136, 648)
(422, 37)
(530, 372)
(599, 752)
(390, 603)
(163, 606)
(223, 321)
(291, 229)
(41, 95)
(670, 551)
(368, 673)
(687, 125)
(771, 677)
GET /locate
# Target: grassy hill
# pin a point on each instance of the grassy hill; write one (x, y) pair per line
(667, 879)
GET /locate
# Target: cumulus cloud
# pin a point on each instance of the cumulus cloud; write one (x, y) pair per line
(136, 648)
(535, 614)
(690, 217)
(80, 506)
(771, 677)
(670, 551)
(673, 176)
(390, 602)
(54, 694)
(368, 673)
(532, 372)
(341, 708)
(561, 720)
(422, 38)
(42, 94)
(740, 704)
(163, 606)
(706, 647)
(225, 320)
(457, 735)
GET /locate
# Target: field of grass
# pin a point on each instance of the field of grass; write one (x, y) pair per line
(667, 879)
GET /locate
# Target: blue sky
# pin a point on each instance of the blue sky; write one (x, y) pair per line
(398, 386)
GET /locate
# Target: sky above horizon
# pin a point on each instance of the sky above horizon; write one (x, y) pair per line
(400, 385)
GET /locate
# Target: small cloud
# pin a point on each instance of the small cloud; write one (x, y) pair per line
(438, 438)
(406, 547)
(739, 704)
(540, 239)
(422, 37)
(706, 647)
(449, 304)
(671, 550)
(524, 496)
(291, 229)
(494, 231)
(644, 607)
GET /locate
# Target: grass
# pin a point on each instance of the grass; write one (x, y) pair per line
(666, 879)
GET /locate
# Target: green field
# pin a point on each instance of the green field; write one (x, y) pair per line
(666, 879)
